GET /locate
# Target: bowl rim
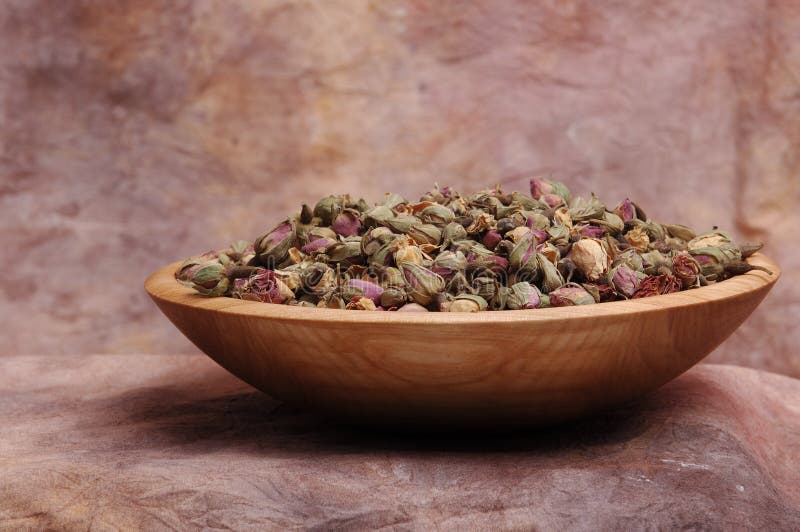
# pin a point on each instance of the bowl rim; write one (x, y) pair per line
(162, 286)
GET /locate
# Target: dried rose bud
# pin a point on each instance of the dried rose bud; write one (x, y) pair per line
(537, 220)
(482, 222)
(680, 231)
(393, 297)
(186, 271)
(523, 256)
(626, 210)
(375, 238)
(570, 295)
(263, 286)
(591, 231)
(393, 200)
(361, 288)
(383, 256)
(656, 263)
(551, 278)
(412, 307)
(467, 303)
(500, 299)
(346, 223)
(239, 249)
(654, 285)
(272, 248)
(346, 253)
(591, 257)
(210, 279)
(451, 233)
(402, 224)
(389, 276)
(378, 215)
(712, 260)
(612, 223)
(485, 287)
(331, 299)
(328, 208)
(425, 234)
(686, 269)
(638, 239)
(448, 263)
(290, 278)
(709, 240)
(583, 210)
(491, 238)
(524, 296)
(361, 303)
(436, 214)
(408, 253)
(318, 279)
(600, 292)
(481, 264)
(625, 280)
(561, 217)
(422, 284)
(506, 224)
(320, 245)
(518, 232)
(543, 187)
(631, 259)
(458, 284)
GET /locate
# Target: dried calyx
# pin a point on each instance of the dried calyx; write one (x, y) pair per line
(450, 252)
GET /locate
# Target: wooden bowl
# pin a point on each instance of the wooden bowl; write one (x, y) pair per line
(523, 367)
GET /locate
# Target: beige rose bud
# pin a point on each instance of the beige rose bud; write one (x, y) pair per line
(361, 303)
(408, 254)
(591, 258)
(467, 303)
(562, 217)
(638, 239)
(712, 239)
(515, 234)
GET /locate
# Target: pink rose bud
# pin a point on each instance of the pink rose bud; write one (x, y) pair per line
(346, 223)
(263, 286)
(541, 236)
(359, 287)
(320, 244)
(568, 296)
(491, 239)
(524, 296)
(541, 188)
(412, 307)
(592, 231)
(625, 210)
(624, 280)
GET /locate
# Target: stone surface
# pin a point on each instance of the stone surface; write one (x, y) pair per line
(134, 133)
(174, 442)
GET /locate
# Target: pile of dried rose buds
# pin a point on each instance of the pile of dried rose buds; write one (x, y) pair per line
(466, 253)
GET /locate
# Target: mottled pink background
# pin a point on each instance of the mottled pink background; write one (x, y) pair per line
(135, 133)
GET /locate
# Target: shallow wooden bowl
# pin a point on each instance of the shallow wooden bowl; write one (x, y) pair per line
(525, 367)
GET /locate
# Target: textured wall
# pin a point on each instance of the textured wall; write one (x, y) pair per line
(135, 133)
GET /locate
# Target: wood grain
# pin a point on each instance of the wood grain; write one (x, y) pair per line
(439, 369)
